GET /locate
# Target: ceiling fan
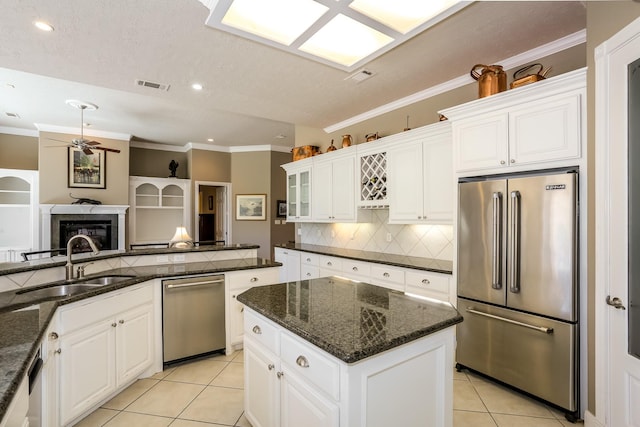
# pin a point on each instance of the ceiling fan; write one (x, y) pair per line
(84, 144)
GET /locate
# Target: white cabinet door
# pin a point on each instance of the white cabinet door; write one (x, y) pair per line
(405, 182)
(87, 368)
(299, 194)
(545, 131)
(482, 142)
(236, 317)
(343, 185)
(322, 191)
(438, 180)
(302, 405)
(134, 343)
(262, 387)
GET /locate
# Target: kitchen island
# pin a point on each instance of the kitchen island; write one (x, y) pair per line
(335, 352)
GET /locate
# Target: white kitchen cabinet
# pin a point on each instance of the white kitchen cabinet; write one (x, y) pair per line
(333, 197)
(50, 379)
(276, 393)
(421, 178)
(236, 283)
(16, 413)
(290, 260)
(19, 230)
(289, 382)
(539, 125)
(309, 266)
(298, 190)
(105, 342)
(157, 207)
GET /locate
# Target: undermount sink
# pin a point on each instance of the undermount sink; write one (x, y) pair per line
(105, 280)
(58, 291)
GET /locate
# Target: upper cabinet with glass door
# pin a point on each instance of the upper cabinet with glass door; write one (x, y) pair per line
(298, 190)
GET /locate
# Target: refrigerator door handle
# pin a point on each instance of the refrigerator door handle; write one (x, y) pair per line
(514, 322)
(497, 241)
(514, 282)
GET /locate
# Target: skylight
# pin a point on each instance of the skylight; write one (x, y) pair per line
(344, 34)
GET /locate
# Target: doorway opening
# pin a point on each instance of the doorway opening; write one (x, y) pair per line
(212, 211)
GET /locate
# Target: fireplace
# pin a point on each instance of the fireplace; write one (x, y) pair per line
(103, 229)
(105, 224)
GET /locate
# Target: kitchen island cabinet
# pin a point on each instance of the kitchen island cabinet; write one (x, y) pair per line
(334, 352)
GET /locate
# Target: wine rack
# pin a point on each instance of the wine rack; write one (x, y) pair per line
(373, 181)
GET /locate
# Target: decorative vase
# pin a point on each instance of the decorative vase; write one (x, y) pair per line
(346, 141)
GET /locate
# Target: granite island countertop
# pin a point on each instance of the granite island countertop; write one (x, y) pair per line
(24, 321)
(347, 319)
(419, 263)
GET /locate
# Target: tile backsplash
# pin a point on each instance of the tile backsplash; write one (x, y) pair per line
(428, 241)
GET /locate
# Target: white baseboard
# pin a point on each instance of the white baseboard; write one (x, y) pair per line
(591, 421)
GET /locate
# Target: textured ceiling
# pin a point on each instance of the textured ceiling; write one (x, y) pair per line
(251, 92)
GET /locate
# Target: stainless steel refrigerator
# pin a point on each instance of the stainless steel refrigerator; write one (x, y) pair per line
(517, 282)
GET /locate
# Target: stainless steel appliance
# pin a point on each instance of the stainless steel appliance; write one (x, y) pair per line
(517, 282)
(34, 414)
(193, 317)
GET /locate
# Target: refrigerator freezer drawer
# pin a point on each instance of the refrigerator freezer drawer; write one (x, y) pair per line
(532, 353)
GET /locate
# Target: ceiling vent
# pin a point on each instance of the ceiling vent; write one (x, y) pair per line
(14, 115)
(152, 85)
(360, 76)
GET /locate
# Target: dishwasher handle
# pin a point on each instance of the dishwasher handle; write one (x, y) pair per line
(190, 284)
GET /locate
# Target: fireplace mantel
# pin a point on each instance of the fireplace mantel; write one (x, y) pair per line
(46, 211)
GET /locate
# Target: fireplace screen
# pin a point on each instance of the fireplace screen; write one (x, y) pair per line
(103, 229)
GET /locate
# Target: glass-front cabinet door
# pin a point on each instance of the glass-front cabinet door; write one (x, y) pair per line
(298, 193)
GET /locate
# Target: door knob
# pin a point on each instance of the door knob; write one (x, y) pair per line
(615, 302)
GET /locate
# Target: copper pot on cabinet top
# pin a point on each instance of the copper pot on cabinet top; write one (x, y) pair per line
(347, 140)
(371, 137)
(491, 79)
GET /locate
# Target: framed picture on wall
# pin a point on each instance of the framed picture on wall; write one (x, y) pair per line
(251, 207)
(86, 170)
(282, 208)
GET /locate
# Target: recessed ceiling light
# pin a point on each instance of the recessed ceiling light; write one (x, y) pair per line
(210, 139)
(197, 86)
(44, 26)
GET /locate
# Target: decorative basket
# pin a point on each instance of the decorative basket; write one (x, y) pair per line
(304, 151)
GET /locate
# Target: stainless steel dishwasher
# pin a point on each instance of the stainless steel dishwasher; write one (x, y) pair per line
(192, 317)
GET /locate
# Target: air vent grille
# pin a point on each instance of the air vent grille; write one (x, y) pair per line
(14, 115)
(360, 76)
(153, 85)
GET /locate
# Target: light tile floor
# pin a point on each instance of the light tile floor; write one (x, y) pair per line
(209, 392)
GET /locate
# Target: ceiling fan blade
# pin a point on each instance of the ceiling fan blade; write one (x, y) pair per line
(87, 151)
(92, 143)
(113, 150)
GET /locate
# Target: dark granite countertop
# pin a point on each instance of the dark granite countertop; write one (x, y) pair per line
(347, 319)
(57, 261)
(427, 264)
(24, 319)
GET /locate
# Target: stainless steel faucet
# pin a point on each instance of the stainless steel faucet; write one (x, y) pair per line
(69, 265)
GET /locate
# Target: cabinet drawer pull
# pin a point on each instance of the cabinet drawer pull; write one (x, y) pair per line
(502, 162)
(308, 274)
(114, 324)
(256, 330)
(425, 281)
(302, 362)
(58, 351)
(53, 336)
(271, 366)
(121, 321)
(386, 274)
(280, 374)
(253, 279)
(308, 259)
(241, 309)
(355, 268)
(329, 263)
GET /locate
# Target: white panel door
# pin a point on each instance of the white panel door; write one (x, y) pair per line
(262, 387)
(343, 187)
(618, 383)
(303, 406)
(134, 342)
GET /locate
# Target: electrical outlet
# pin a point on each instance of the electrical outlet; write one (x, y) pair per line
(389, 237)
(333, 234)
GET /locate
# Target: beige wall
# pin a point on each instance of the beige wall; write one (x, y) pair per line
(251, 174)
(604, 19)
(18, 152)
(53, 167)
(280, 233)
(212, 166)
(426, 112)
(155, 163)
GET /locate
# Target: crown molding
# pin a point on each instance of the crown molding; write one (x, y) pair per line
(19, 131)
(555, 46)
(158, 146)
(87, 132)
(205, 147)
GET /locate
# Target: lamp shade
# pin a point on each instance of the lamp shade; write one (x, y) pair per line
(181, 239)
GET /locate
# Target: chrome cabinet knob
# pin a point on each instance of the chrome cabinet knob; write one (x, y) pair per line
(53, 336)
(425, 281)
(121, 321)
(271, 366)
(256, 330)
(386, 274)
(355, 268)
(302, 362)
(280, 374)
(253, 279)
(114, 324)
(513, 160)
(58, 351)
(502, 162)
